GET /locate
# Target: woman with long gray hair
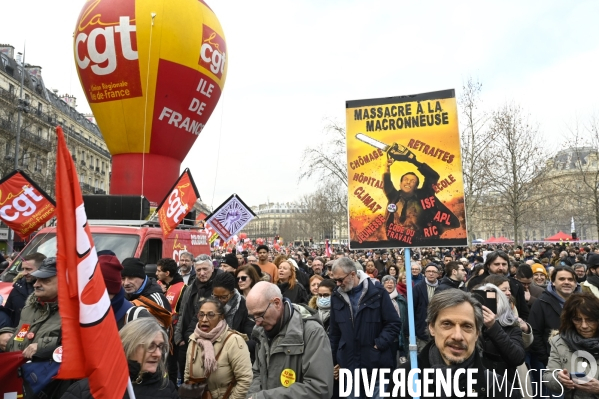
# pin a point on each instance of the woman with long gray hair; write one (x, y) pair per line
(503, 347)
(146, 347)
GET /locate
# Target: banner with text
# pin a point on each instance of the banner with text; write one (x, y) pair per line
(230, 217)
(178, 203)
(24, 206)
(405, 172)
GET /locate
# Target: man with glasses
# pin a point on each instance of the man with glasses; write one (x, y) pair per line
(265, 265)
(423, 293)
(363, 322)
(497, 262)
(198, 290)
(186, 269)
(454, 277)
(293, 353)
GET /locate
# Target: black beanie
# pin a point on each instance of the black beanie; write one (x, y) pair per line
(231, 260)
(133, 267)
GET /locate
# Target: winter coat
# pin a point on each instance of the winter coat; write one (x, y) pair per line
(153, 292)
(590, 288)
(503, 349)
(402, 305)
(190, 305)
(233, 363)
(17, 299)
(484, 379)
(44, 322)
(302, 350)
(354, 336)
(297, 294)
(544, 318)
(149, 386)
(446, 283)
(560, 357)
(420, 295)
(516, 289)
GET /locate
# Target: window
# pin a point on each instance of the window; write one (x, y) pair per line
(152, 251)
(39, 132)
(39, 108)
(11, 88)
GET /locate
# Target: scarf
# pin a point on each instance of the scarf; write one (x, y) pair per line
(593, 280)
(140, 290)
(430, 288)
(285, 317)
(576, 342)
(402, 289)
(231, 307)
(206, 341)
(324, 312)
(436, 361)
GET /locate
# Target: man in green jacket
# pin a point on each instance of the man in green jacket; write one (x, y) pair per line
(293, 353)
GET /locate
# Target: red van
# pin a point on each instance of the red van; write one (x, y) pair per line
(124, 238)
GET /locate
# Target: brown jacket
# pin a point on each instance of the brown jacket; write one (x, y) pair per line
(233, 361)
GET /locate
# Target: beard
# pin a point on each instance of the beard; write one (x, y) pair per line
(348, 287)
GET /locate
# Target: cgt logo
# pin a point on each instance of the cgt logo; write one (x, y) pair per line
(213, 52)
(101, 48)
(23, 203)
(176, 210)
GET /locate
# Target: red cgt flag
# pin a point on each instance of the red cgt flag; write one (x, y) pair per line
(178, 203)
(24, 206)
(91, 344)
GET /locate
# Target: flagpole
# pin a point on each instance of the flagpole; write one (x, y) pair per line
(413, 348)
(130, 389)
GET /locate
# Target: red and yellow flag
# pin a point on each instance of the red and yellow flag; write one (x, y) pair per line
(91, 344)
(178, 203)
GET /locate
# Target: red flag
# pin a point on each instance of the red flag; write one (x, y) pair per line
(91, 344)
(11, 384)
(327, 249)
(178, 203)
(24, 207)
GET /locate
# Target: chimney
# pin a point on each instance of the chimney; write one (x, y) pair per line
(34, 70)
(8, 50)
(70, 100)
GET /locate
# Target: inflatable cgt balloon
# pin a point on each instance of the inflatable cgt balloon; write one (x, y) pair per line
(153, 66)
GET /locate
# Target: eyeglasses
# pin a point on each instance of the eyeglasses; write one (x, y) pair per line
(209, 315)
(324, 295)
(340, 280)
(579, 320)
(261, 317)
(221, 297)
(152, 347)
(242, 278)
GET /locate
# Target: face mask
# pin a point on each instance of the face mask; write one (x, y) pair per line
(323, 302)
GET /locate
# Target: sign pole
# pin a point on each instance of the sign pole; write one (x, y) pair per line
(412, 329)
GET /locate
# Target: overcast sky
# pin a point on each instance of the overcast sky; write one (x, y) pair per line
(292, 64)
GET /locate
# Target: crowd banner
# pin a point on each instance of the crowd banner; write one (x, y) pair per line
(230, 217)
(91, 344)
(11, 383)
(178, 203)
(405, 172)
(24, 206)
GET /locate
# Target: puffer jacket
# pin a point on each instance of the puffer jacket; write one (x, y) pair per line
(561, 358)
(44, 322)
(17, 299)
(233, 362)
(301, 352)
(148, 386)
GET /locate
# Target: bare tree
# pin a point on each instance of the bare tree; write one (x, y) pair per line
(516, 172)
(475, 140)
(327, 161)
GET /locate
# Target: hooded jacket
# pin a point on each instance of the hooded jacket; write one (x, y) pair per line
(354, 336)
(298, 357)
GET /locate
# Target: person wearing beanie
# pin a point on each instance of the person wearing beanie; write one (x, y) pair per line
(230, 263)
(124, 311)
(539, 275)
(136, 283)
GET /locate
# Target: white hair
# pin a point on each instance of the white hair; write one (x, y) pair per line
(505, 315)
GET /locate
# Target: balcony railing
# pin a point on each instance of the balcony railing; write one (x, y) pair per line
(26, 135)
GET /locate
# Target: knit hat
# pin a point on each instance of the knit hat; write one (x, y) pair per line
(4, 330)
(538, 268)
(133, 267)
(111, 271)
(231, 260)
(593, 261)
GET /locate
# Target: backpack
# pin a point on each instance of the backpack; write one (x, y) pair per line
(163, 316)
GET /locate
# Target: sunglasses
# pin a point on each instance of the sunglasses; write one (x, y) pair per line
(242, 278)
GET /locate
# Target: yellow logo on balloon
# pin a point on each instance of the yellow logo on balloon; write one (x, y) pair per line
(287, 377)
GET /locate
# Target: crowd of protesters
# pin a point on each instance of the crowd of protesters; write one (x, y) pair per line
(282, 322)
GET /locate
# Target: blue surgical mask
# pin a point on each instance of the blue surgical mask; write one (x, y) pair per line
(324, 302)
